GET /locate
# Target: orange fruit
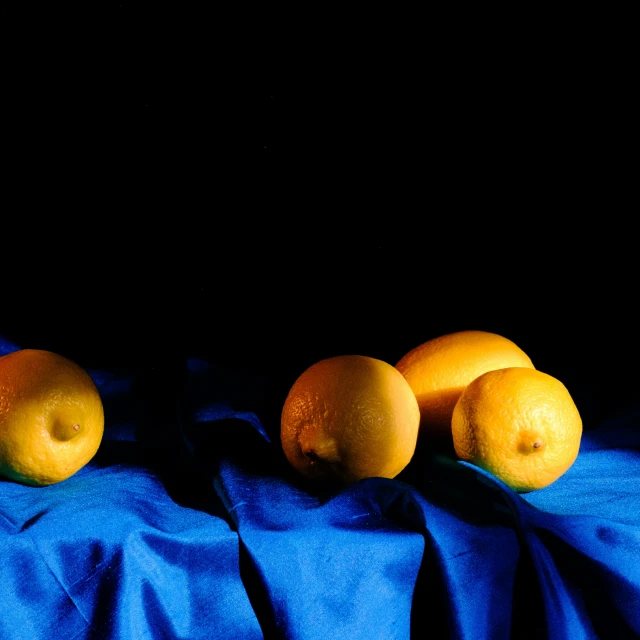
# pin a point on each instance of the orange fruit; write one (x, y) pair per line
(347, 418)
(439, 370)
(520, 424)
(51, 417)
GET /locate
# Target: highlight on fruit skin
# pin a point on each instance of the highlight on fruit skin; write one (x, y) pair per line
(439, 369)
(51, 417)
(347, 418)
(520, 424)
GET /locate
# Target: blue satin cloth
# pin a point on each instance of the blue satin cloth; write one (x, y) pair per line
(189, 523)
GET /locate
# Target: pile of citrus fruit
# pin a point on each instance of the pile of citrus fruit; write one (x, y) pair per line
(345, 418)
(351, 417)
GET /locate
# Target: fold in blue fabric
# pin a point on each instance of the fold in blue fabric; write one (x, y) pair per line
(189, 523)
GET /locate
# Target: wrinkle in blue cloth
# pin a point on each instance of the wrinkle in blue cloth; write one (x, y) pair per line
(207, 532)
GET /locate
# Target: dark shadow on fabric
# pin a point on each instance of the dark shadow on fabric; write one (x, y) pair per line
(588, 575)
(206, 382)
(156, 615)
(235, 440)
(456, 488)
(150, 406)
(430, 611)
(185, 484)
(194, 490)
(258, 594)
(127, 453)
(31, 521)
(528, 621)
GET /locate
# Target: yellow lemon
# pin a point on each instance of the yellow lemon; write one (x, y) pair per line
(439, 370)
(349, 417)
(520, 424)
(51, 417)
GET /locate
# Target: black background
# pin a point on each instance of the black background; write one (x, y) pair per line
(266, 192)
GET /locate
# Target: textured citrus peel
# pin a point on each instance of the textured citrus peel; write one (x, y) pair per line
(530, 443)
(520, 424)
(63, 431)
(348, 418)
(51, 417)
(440, 369)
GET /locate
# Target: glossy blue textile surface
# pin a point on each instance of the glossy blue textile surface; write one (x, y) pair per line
(189, 523)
